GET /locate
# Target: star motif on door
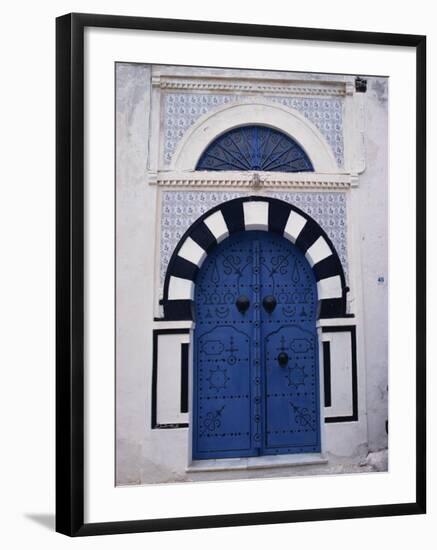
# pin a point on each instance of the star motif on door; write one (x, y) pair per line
(218, 378)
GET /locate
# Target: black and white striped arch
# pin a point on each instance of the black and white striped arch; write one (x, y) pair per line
(246, 214)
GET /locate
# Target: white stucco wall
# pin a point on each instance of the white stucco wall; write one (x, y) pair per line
(135, 214)
(371, 210)
(146, 455)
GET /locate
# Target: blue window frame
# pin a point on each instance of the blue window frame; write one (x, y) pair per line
(255, 148)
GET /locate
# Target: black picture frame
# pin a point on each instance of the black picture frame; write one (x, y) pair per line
(70, 273)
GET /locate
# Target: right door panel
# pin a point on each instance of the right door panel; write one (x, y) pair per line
(289, 339)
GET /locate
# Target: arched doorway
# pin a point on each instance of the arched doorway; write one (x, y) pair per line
(254, 273)
(255, 363)
(248, 214)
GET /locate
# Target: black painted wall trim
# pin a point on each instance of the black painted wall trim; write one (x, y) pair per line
(327, 380)
(354, 416)
(327, 373)
(156, 334)
(185, 348)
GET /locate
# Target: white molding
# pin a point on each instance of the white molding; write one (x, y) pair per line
(256, 462)
(163, 325)
(311, 180)
(337, 322)
(232, 84)
(354, 128)
(360, 133)
(154, 143)
(158, 310)
(256, 110)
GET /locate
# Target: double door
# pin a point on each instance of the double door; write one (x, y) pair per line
(255, 363)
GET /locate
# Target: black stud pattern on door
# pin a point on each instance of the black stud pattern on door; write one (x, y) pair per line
(255, 383)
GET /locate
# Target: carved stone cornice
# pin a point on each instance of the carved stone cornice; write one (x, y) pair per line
(253, 180)
(226, 84)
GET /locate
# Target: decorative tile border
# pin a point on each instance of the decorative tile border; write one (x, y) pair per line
(182, 208)
(326, 114)
(182, 110)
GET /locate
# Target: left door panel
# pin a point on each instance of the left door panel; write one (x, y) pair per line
(222, 381)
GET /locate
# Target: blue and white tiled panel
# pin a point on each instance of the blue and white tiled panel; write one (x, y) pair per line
(182, 110)
(180, 209)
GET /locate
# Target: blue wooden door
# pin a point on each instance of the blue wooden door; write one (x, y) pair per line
(255, 383)
(288, 296)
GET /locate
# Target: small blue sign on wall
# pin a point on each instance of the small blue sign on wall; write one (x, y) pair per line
(256, 374)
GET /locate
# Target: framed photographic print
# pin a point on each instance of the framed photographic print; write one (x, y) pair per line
(240, 274)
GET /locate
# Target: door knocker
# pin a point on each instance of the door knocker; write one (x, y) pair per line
(242, 303)
(282, 359)
(269, 303)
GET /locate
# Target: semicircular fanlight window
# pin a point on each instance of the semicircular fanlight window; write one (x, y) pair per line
(255, 148)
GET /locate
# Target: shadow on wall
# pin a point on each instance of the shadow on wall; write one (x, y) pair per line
(45, 520)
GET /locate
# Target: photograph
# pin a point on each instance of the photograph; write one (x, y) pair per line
(215, 275)
(251, 274)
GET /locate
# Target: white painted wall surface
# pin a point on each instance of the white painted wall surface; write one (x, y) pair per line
(135, 204)
(162, 455)
(370, 209)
